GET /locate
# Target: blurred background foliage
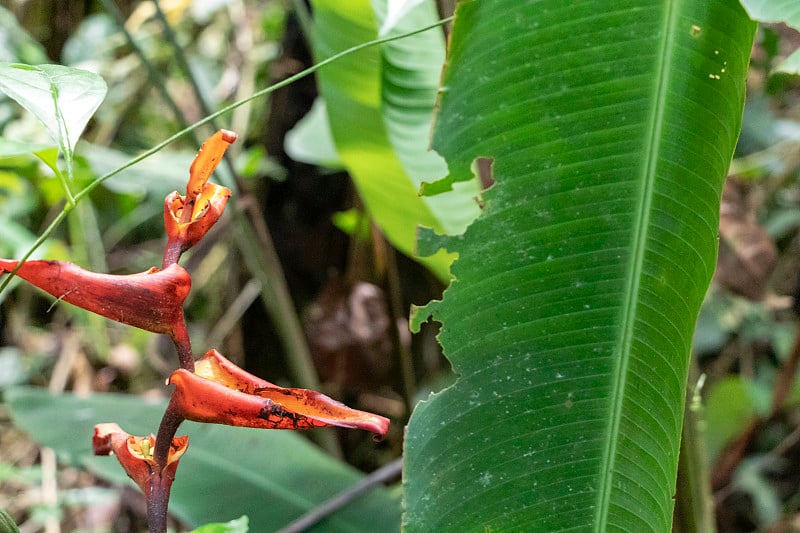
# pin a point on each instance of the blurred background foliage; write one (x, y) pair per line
(349, 286)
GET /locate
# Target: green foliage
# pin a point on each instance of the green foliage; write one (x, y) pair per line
(62, 98)
(16, 44)
(576, 291)
(7, 524)
(570, 319)
(311, 140)
(785, 11)
(730, 407)
(240, 525)
(380, 104)
(271, 476)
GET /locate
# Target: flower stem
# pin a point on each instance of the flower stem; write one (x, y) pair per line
(157, 500)
(170, 422)
(180, 337)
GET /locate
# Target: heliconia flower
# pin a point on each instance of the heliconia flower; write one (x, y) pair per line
(188, 218)
(219, 392)
(135, 454)
(151, 300)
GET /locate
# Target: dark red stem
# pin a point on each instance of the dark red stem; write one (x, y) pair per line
(170, 422)
(183, 346)
(157, 500)
(172, 253)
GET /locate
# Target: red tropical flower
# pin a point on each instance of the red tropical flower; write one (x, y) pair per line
(188, 218)
(135, 454)
(219, 392)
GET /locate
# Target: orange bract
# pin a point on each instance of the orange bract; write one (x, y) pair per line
(135, 454)
(151, 300)
(219, 392)
(188, 218)
(207, 159)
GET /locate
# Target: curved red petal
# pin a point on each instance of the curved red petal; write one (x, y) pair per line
(222, 393)
(206, 161)
(151, 300)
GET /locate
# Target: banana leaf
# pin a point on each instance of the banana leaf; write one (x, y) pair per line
(610, 126)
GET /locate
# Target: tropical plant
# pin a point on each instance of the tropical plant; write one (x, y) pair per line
(591, 143)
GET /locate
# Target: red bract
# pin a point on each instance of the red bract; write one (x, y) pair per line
(135, 454)
(151, 300)
(219, 392)
(188, 218)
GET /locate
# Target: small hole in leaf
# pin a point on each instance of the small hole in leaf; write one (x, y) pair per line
(482, 167)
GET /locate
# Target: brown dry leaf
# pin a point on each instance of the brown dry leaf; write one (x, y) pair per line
(747, 254)
(349, 336)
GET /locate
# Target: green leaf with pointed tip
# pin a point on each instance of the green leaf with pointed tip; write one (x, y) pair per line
(570, 318)
(380, 104)
(62, 98)
(273, 477)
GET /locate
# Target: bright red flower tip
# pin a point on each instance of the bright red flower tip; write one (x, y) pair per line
(135, 454)
(219, 392)
(151, 300)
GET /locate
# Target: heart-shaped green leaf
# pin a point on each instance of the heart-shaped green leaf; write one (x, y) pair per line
(62, 98)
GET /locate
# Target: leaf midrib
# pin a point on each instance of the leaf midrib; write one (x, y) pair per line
(638, 249)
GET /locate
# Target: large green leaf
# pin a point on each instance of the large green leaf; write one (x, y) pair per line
(271, 476)
(569, 323)
(380, 103)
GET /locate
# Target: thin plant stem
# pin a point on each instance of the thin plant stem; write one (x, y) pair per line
(396, 311)
(180, 337)
(180, 57)
(694, 504)
(170, 423)
(369, 482)
(157, 505)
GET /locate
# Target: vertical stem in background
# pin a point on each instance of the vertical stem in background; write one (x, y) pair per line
(87, 249)
(694, 504)
(152, 73)
(303, 17)
(395, 297)
(787, 374)
(50, 489)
